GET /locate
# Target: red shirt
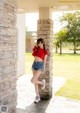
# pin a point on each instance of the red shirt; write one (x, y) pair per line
(40, 53)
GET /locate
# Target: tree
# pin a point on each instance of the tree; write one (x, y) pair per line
(56, 44)
(72, 23)
(60, 37)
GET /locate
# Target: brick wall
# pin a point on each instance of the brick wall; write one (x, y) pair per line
(8, 54)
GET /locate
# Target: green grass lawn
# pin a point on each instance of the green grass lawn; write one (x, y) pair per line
(66, 66)
(29, 61)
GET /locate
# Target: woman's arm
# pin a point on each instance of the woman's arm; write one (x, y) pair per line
(34, 48)
(45, 58)
(45, 61)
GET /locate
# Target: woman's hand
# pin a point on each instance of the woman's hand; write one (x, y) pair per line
(43, 70)
(44, 67)
(45, 63)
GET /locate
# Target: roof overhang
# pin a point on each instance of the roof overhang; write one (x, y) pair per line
(28, 6)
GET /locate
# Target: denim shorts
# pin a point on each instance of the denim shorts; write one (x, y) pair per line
(38, 66)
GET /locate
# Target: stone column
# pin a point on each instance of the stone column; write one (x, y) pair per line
(8, 56)
(45, 30)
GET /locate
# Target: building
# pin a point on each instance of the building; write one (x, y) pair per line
(12, 42)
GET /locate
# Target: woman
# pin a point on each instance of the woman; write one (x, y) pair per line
(40, 55)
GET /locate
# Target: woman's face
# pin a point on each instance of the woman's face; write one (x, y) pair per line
(40, 44)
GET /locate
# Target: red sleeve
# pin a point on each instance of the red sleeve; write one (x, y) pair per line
(35, 48)
(46, 52)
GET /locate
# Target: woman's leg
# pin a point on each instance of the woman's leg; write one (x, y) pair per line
(35, 85)
(35, 80)
(35, 77)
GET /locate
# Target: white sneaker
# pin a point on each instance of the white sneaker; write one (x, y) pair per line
(43, 83)
(37, 99)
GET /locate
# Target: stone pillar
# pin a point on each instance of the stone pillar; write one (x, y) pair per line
(45, 30)
(8, 56)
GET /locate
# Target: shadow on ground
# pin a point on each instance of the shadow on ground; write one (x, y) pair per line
(35, 108)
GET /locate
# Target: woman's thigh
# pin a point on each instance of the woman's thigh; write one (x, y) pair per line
(36, 74)
(33, 72)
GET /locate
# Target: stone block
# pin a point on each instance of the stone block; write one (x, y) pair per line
(8, 69)
(0, 70)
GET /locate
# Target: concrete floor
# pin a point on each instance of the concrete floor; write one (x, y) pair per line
(56, 104)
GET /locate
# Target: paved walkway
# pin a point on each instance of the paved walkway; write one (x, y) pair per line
(56, 104)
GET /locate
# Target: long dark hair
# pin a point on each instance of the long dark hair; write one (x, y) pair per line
(42, 41)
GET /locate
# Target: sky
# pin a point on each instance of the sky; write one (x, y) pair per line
(31, 21)
(55, 17)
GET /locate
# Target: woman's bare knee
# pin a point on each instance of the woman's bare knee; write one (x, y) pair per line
(35, 77)
(33, 80)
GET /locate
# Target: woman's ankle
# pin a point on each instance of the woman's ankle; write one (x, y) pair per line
(37, 95)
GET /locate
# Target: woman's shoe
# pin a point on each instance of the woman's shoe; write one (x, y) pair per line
(43, 83)
(37, 99)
